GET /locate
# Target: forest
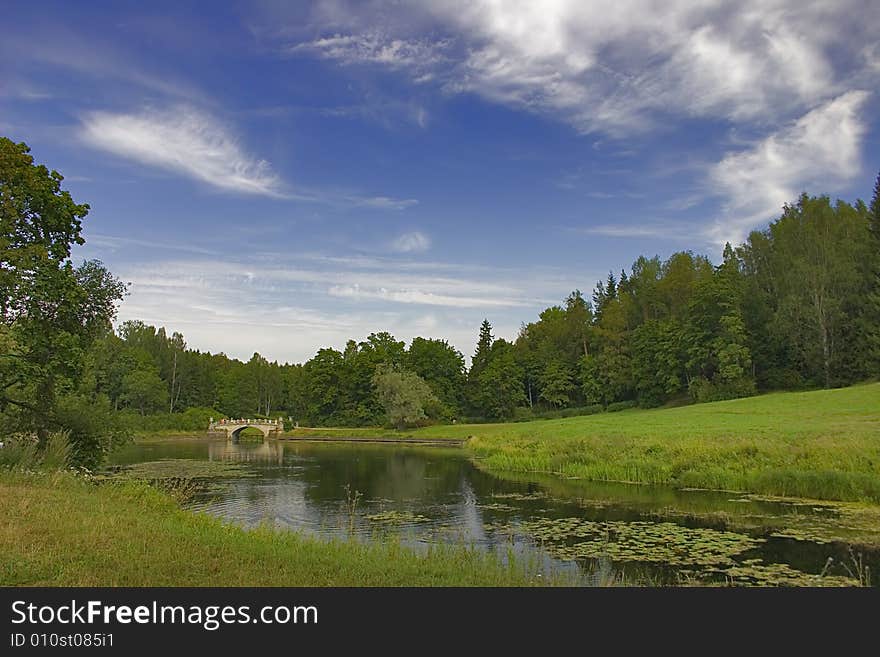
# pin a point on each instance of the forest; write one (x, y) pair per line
(796, 306)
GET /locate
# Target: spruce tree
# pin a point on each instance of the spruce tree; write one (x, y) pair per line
(874, 216)
(484, 347)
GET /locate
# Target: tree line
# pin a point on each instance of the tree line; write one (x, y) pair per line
(797, 305)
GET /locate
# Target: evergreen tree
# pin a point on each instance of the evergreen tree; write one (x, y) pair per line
(484, 348)
(872, 320)
(874, 218)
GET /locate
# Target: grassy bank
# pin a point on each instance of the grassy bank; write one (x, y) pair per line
(59, 530)
(822, 444)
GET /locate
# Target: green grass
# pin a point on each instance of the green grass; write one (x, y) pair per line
(60, 530)
(822, 444)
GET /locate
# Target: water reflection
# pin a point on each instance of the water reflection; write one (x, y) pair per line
(268, 451)
(427, 495)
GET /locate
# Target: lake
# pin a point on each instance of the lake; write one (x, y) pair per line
(591, 532)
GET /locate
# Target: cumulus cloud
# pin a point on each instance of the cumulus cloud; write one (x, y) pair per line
(821, 150)
(413, 242)
(185, 141)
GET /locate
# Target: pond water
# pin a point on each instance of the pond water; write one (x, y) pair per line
(593, 532)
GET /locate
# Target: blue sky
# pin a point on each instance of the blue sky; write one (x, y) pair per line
(279, 177)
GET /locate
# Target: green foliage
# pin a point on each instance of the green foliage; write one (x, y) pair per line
(556, 384)
(192, 419)
(657, 360)
(499, 386)
(93, 428)
(404, 396)
(144, 390)
(51, 311)
(810, 262)
(796, 306)
(621, 406)
(703, 390)
(442, 367)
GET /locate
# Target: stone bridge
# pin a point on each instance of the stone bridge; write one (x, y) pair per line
(233, 428)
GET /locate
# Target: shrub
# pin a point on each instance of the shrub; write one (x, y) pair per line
(93, 429)
(621, 405)
(703, 390)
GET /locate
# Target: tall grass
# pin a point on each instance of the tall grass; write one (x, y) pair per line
(823, 444)
(61, 530)
(22, 452)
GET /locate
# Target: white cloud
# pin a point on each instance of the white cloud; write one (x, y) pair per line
(374, 47)
(384, 202)
(113, 243)
(420, 297)
(617, 66)
(677, 231)
(821, 150)
(185, 141)
(413, 242)
(287, 306)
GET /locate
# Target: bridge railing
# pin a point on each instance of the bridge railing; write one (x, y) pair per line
(227, 421)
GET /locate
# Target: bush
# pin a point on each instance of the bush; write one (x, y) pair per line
(703, 390)
(575, 411)
(782, 379)
(93, 429)
(192, 419)
(621, 406)
(522, 414)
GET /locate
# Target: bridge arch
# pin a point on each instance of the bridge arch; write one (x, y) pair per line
(236, 433)
(233, 428)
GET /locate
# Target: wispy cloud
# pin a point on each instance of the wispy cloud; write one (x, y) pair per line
(374, 47)
(90, 57)
(821, 150)
(658, 230)
(416, 296)
(113, 242)
(383, 202)
(618, 66)
(287, 306)
(413, 242)
(185, 141)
